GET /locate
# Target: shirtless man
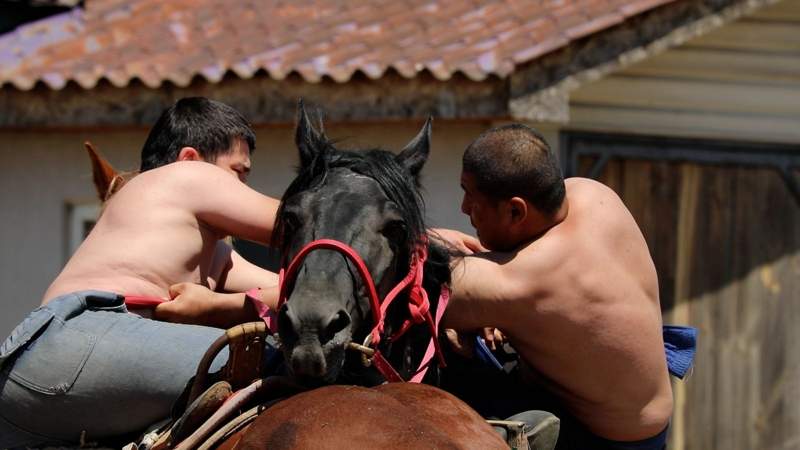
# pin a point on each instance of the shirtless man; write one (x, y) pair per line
(571, 284)
(81, 368)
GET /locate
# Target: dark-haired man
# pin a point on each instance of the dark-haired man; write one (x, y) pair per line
(197, 128)
(571, 283)
(201, 129)
(80, 368)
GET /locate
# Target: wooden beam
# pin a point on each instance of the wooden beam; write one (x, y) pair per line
(690, 175)
(261, 99)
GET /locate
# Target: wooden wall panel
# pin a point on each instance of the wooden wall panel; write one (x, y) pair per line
(726, 243)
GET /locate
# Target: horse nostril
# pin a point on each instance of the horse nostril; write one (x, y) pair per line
(286, 326)
(336, 323)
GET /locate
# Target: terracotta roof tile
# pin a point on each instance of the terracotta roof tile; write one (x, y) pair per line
(156, 41)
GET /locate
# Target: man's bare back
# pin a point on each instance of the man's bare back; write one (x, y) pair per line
(580, 304)
(163, 228)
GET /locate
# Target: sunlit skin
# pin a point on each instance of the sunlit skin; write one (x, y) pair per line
(576, 293)
(159, 236)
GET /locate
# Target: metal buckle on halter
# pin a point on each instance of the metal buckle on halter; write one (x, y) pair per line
(366, 351)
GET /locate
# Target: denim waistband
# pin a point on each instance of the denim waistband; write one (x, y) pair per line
(64, 307)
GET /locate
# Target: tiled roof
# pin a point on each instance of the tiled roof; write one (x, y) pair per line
(157, 41)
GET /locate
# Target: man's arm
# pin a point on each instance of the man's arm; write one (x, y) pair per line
(198, 305)
(239, 275)
(219, 200)
(231, 276)
(481, 289)
(456, 240)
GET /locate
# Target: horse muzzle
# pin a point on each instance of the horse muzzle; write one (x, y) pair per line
(314, 345)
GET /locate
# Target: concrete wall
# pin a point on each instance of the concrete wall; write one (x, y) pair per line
(45, 172)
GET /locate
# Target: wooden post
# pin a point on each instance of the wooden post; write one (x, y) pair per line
(680, 312)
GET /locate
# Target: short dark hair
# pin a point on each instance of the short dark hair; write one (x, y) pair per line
(209, 126)
(515, 160)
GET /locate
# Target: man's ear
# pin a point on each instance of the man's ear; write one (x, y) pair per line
(189, 154)
(518, 210)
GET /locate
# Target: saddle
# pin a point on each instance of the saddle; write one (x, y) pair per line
(214, 406)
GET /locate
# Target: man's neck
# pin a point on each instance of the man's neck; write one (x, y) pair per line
(541, 223)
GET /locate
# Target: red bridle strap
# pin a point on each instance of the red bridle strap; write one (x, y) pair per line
(142, 302)
(287, 277)
(418, 305)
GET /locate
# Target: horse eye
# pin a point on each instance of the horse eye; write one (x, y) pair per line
(291, 222)
(395, 231)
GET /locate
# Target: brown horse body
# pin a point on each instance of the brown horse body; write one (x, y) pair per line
(390, 416)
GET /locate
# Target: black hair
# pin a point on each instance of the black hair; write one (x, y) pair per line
(516, 161)
(395, 181)
(209, 126)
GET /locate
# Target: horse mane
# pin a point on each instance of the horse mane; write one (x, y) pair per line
(380, 165)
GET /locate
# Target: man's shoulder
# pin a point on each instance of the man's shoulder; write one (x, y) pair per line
(179, 172)
(585, 193)
(587, 186)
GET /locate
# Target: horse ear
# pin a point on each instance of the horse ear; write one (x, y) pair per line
(103, 173)
(415, 154)
(306, 138)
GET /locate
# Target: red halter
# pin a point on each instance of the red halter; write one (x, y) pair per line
(418, 304)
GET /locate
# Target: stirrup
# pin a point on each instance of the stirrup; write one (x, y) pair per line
(534, 430)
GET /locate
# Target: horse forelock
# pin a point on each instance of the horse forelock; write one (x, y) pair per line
(397, 184)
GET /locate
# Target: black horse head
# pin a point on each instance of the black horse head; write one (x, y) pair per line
(368, 200)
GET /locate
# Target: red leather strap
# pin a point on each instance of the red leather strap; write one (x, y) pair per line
(385, 368)
(143, 302)
(266, 313)
(288, 276)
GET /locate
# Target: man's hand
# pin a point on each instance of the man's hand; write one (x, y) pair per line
(457, 240)
(461, 343)
(464, 343)
(493, 337)
(190, 303)
(198, 305)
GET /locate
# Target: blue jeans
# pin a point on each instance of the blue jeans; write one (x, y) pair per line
(82, 364)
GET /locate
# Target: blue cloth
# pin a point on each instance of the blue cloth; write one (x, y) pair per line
(485, 355)
(680, 344)
(82, 363)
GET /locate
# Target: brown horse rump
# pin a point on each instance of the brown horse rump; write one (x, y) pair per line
(341, 416)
